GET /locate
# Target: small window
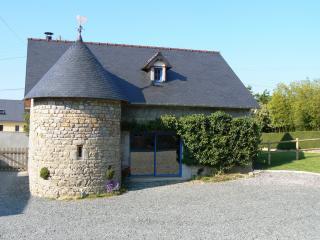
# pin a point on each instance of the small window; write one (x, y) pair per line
(2, 112)
(158, 74)
(17, 128)
(79, 152)
(1, 128)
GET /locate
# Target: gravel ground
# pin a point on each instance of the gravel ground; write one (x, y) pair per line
(275, 205)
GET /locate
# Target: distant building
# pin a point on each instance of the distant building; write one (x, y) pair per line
(11, 115)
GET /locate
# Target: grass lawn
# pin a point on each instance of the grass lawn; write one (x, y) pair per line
(286, 161)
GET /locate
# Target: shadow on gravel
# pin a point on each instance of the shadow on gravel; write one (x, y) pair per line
(135, 185)
(14, 193)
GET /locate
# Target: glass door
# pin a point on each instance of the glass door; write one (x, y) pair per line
(167, 155)
(155, 154)
(142, 160)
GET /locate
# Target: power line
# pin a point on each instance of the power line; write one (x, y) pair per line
(11, 89)
(11, 29)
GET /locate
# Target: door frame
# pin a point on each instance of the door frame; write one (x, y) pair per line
(155, 134)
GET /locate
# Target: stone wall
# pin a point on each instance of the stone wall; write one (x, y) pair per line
(57, 128)
(145, 113)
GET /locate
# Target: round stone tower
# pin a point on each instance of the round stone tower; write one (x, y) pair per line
(74, 126)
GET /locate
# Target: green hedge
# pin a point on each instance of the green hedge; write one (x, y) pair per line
(284, 136)
(217, 140)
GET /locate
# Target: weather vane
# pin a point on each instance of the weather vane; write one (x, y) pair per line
(81, 21)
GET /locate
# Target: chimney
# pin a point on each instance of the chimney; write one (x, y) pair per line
(48, 35)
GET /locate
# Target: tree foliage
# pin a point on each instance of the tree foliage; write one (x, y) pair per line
(262, 115)
(296, 106)
(263, 118)
(26, 126)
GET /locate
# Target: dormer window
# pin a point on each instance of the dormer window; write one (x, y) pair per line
(157, 67)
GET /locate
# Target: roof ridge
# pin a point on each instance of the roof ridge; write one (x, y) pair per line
(128, 45)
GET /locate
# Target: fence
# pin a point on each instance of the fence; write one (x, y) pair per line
(14, 159)
(297, 148)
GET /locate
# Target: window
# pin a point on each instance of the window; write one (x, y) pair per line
(17, 128)
(158, 74)
(2, 112)
(79, 152)
(1, 128)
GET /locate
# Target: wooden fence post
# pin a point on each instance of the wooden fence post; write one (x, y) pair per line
(297, 148)
(269, 153)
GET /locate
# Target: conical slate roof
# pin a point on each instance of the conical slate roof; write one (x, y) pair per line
(77, 73)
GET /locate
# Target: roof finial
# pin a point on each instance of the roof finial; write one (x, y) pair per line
(79, 33)
(81, 20)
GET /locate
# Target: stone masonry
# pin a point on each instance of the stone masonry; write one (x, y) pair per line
(57, 129)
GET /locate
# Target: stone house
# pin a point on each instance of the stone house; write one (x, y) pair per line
(81, 92)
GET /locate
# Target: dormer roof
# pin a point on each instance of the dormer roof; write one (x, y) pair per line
(155, 58)
(77, 73)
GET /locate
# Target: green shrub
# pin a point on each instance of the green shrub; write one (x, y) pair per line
(244, 138)
(110, 173)
(218, 140)
(26, 126)
(44, 173)
(188, 159)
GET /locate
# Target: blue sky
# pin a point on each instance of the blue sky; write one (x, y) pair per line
(265, 42)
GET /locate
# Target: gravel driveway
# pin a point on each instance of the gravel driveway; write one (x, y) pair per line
(269, 206)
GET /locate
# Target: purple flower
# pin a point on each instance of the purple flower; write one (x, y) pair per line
(112, 186)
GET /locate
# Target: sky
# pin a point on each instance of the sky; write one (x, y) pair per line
(265, 42)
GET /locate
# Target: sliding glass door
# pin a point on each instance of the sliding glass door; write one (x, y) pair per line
(155, 154)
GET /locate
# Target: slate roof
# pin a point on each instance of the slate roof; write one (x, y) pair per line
(197, 78)
(14, 110)
(77, 73)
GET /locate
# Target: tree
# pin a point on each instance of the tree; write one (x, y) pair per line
(261, 98)
(262, 114)
(262, 117)
(280, 107)
(26, 126)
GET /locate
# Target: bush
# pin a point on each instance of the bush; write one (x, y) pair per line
(44, 173)
(218, 140)
(109, 173)
(188, 159)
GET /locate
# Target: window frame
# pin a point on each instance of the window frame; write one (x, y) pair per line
(160, 69)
